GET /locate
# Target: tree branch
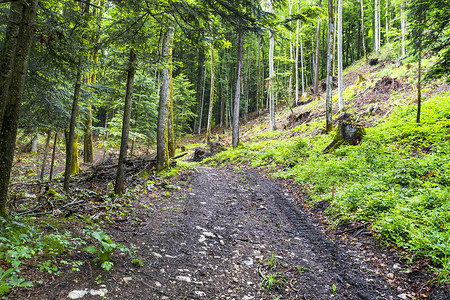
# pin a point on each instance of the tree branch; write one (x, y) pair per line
(88, 3)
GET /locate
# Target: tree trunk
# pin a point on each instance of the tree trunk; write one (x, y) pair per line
(403, 27)
(259, 90)
(221, 91)
(296, 56)
(34, 142)
(237, 97)
(71, 136)
(291, 55)
(162, 151)
(170, 129)
(316, 70)
(119, 185)
(44, 156)
(329, 122)
(339, 53)
(211, 98)
(419, 80)
(362, 30)
(53, 156)
(198, 95)
(271, 75)
(375, 33)
(387, 21)
(200, 117)
(8, 53)
(302, 63)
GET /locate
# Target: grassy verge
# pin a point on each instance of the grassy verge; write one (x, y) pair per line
(398, 178)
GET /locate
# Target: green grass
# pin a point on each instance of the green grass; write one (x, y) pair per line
(398, 178)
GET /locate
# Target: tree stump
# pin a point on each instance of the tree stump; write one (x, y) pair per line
(347, 133)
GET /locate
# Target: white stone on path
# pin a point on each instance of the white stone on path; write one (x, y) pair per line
(201, 239)
(183, 278)
(208, 234)
(157, 255)
(126, 279)
(200, 293)
(77, 294)
(100, 292)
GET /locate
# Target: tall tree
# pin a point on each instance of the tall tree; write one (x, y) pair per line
(18, 44)
(162, 154)
(119, 184)
(330, 59)
(211, 96)
(339, 55)
(271, 74)
(316, 69)
(362, 30)
(237, 97)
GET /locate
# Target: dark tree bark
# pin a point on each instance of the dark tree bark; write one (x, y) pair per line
(44, 157)
(8, 52)
(14, 91)
(237, 97)
(71, 136)
(119, 185)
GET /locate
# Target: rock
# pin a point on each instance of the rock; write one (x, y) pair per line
(403, 296)
(127, 279)
(248, 262)
(201, 239)
(77, 294)
(200, 294)
(390, 275)
(157, 255)
(100, 292)
(183, 278)
(208, 234)
(158, 284)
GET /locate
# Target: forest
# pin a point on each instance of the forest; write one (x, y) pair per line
(113, 114)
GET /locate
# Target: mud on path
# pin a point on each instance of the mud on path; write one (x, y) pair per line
(222, 235)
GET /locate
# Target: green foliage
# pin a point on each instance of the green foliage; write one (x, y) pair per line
(398, 178)
(20, 241)
(273, 280)
(9, 280)
(183, 104)
(106, 247)
(272, 261)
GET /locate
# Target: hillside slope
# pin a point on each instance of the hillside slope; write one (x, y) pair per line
(397, 180)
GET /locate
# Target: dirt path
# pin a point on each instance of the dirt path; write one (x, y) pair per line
(215, 237)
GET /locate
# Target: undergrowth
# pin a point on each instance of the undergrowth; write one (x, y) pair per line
(398, 178)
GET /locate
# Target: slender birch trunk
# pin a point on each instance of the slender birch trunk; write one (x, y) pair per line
(329, 123)
(339, 54)
(316, 69)
(375, 33)
(403, 27)
(362, 29)
(271, 75)
(237, 98)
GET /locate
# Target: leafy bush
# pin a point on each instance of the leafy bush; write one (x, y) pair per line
(104, 250)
